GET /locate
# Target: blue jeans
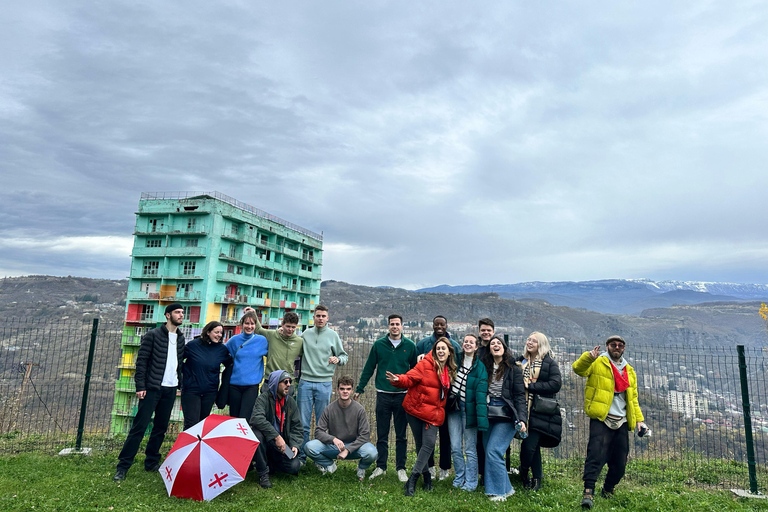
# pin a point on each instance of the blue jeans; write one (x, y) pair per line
(312, 395)
(324, 454)
(466, 472)
(496, 441)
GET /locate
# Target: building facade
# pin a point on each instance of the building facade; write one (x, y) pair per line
(215, 255)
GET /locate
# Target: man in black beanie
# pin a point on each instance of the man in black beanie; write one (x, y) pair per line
(158, 373)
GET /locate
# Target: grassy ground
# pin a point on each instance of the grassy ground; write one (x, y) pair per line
(35, 481)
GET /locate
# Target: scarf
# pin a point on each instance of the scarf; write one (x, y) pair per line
(531, 371)
(279, 414)
(445, 383)
(620, 379)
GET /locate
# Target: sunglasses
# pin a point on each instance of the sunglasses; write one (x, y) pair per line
(616, 344)
(287, 381)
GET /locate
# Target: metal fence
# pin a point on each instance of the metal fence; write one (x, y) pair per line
(691, 398)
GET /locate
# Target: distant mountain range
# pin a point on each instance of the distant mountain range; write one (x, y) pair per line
(616, 296)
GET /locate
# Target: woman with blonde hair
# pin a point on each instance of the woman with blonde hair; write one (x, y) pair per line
(541, 377)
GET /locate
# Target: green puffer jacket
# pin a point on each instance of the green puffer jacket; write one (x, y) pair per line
(476, 402)
(598, 393)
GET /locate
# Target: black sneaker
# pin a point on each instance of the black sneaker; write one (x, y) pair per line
(152, 468)
(264, 480)
(119, 475)
(587, 499)
(606, 493)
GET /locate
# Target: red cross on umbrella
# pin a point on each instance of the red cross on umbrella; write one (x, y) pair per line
(209, 458)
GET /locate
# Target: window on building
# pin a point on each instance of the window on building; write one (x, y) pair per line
(155, 225)
(235, 229)
(151, 268)
(262, 274)
(303, 266)
(232, 250)
(309, 268)
(263, 239)
(239, 270)
(147, 311)
(191, 223)
(259, 294)
(191, 242)
(154, 243)
(188, 268)
(184, 288)
(230, 268)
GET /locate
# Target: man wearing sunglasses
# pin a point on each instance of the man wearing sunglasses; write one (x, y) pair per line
(610, 401)
(277, 425)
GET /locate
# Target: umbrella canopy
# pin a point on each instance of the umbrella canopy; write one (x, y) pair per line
(209, 458)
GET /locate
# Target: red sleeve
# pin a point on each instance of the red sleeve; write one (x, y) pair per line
(414, 375)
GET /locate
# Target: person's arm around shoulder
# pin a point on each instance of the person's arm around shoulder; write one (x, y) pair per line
(582, 365)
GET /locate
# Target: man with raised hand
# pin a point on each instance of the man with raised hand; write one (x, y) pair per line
(397, 354)
(439, 330)
(284, 344)
(342, 432)
(157, 377)
(610, 401)
(322, 353)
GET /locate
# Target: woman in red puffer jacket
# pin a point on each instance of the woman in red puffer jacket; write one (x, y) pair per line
(428, 384)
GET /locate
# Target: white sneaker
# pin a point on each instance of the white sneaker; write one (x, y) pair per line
(444, 473)
(332, 468)
(402, 475)
(432, 472)
(323, 470)
(377, 472)
(360, 474)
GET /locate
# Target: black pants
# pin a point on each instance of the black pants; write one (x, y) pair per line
(425, 437)
(530, 455)
(160, 403)
(241, 400)
(445, 447)
(605, 446)
(269, 458)
(196, 407)
(390, 405)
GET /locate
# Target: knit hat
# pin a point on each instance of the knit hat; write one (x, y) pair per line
(615, 337)
(173, 307)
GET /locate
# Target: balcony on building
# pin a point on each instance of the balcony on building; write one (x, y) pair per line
(231, 299)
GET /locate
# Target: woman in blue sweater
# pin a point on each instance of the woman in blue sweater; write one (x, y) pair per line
(202, 360)
(248, 350)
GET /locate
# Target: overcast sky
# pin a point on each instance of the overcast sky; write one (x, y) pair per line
(431, 142)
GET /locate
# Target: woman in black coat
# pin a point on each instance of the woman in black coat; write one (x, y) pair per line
(541, 376)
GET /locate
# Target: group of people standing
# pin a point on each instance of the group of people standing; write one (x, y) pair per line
(476, 396)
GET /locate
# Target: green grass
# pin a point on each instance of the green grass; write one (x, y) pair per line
(34, 481)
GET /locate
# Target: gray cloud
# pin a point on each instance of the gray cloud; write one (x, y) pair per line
(431, 143)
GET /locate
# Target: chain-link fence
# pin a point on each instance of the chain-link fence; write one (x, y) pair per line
(691, 398)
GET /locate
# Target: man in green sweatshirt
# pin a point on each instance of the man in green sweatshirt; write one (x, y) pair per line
(322, 353)
(397, 354)
(284, 345)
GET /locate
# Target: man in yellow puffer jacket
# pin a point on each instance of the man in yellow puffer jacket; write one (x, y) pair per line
(610, 400)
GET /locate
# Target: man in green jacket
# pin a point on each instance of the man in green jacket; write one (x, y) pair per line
(276, 424)
(397, 354)
(610, 400)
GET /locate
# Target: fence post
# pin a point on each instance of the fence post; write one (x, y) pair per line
(747, 419)
(87, 385)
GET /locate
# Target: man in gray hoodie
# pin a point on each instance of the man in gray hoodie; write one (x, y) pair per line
(276, 423)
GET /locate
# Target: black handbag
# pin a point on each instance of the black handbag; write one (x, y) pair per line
(500, 413)
(452, 403)
(545, 405)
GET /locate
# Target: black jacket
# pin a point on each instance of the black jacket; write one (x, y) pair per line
(150, 361)
(513, 392)
(547, 384)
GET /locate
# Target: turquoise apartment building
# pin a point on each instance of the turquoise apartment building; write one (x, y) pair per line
(215, 255)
